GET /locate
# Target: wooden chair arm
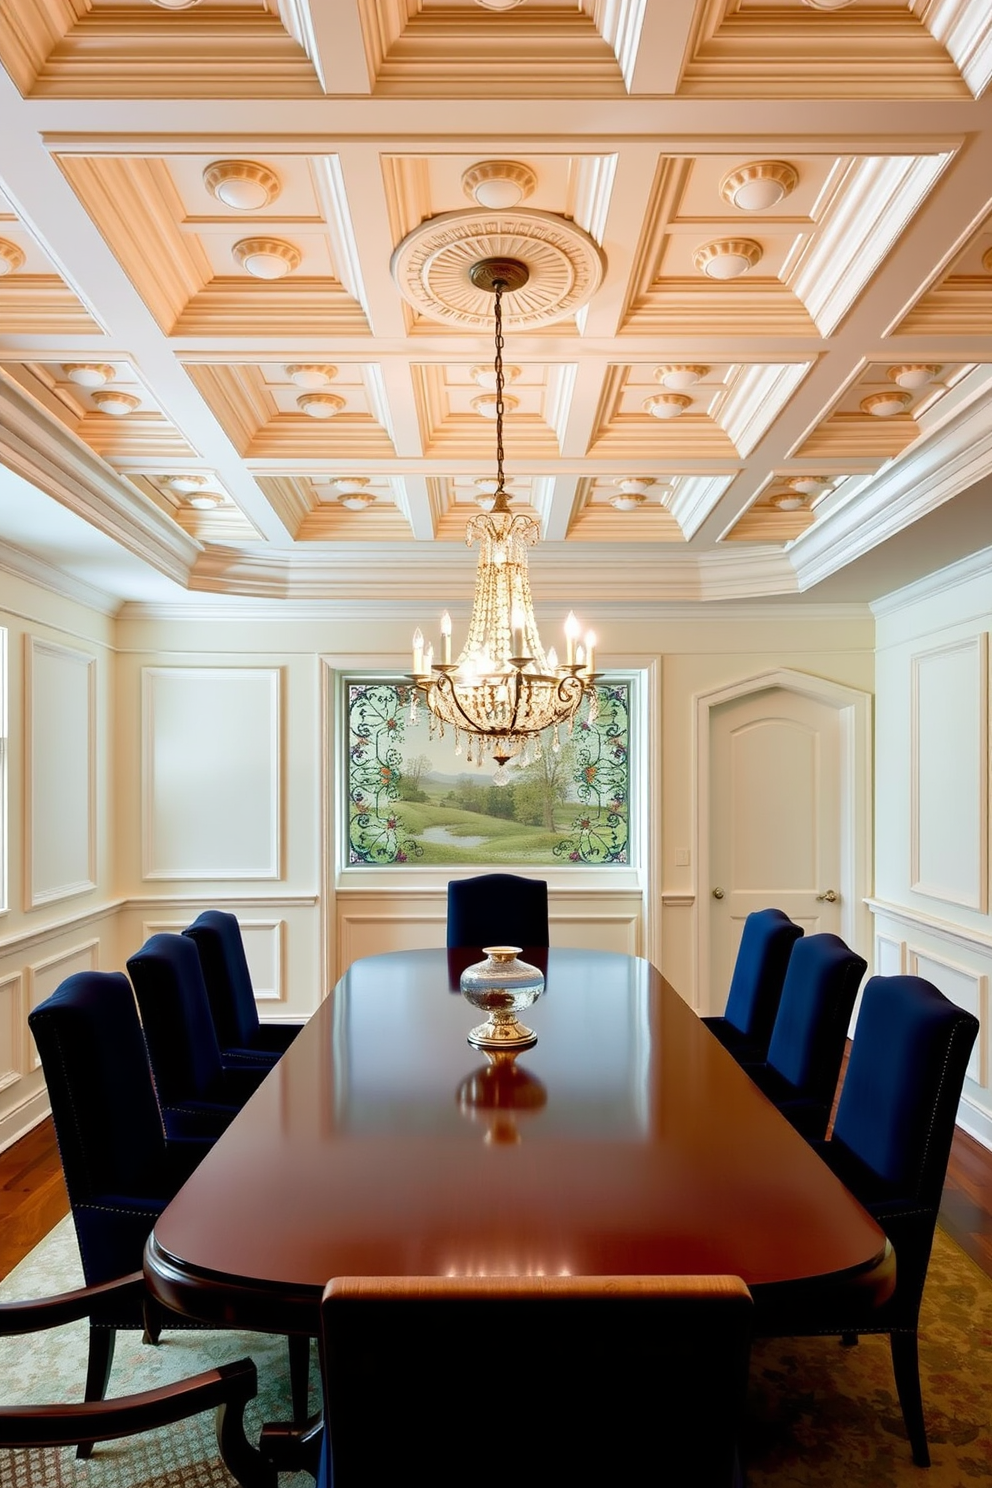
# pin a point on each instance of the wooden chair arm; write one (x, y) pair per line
(36, 1314)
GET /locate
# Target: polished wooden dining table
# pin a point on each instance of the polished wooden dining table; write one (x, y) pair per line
(626, 1141)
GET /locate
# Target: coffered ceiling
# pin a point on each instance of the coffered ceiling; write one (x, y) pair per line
(239, 339)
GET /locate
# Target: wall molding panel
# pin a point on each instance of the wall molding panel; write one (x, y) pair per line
(44, 976)
(890, 956)
(263, 941)
(211, 773)
(11, 1023)
(967, 989)
(59, 845)
(949, 766)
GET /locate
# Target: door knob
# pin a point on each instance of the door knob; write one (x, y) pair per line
(717, 893)
(830, 897)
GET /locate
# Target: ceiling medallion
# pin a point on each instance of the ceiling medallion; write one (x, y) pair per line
(914, 375)
(88, 374)
(243, 184)
(11, 257)
(498, 184)
(486, 487)
(727, 258)
(487, 406)
(267, 258)
(787, 501)
(885, 405)
(485, 377)
(203, 500)
(118, 405)
(320, 405)
(678, 378)
(432, 267)
(763, 184)
(667, 405)
(311, 375)
(352, 493)
(809, 485)
(185, 483)
(631, 493)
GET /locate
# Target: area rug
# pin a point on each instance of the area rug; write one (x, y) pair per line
(819, 1416)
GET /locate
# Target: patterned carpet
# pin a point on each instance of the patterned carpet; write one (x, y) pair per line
(820, 1416)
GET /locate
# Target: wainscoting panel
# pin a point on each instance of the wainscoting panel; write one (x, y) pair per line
(211, 773)
(11, 1023)
(969, 990)
(44, 976)
(890, 956)
(949, 773)
(60, 764)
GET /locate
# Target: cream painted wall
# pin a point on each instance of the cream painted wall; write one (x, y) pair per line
(62, 911)
(933, 914)
(304, 924)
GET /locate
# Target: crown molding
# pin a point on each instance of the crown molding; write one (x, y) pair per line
(954, 576)
(44, 452)
(939, 469)
(23, 565)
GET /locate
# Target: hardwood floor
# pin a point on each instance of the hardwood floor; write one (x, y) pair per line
(33, 1196)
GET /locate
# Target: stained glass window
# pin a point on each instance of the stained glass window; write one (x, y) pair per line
(414, 798)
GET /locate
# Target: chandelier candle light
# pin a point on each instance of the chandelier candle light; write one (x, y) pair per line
(504, 692)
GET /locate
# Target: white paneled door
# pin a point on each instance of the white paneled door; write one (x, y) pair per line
(775, 818)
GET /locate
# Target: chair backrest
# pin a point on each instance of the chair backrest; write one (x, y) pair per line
(595, 1376)
(900, 1094)
(759, 973)
(217, 937)
(497, 909)
(106, 1115)
(175, 1015)
(814, 1012)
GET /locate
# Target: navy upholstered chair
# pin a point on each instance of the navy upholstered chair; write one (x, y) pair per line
(890, 1144)
(195, 1091)
(82, 1424)
(745, 1028)
(120, 1169)
(497, 909)
(241, 1036)
(810, 1032)
(621, 1363)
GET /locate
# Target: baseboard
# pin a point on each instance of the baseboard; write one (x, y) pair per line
(18, 1122)
(975, 1121)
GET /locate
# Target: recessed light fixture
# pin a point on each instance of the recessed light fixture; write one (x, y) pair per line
(756, 187)
(485, 377)
(486, 487)
(320, 405)
(727, 258)
(11, 257)
(267, 258)
(311, 375)
(352, 493)
(88, 374)
(885, 405)
(486, 405)
(679, 377)
(630, 494)
(667, 405)
(118, 405)
(175, 4)
(243, 184)
(499, 4)
(498, 184)
(204, 500)
(809, 485)
(914, 375)
(828, 4)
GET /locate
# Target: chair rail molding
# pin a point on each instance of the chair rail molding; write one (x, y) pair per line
(854, 709)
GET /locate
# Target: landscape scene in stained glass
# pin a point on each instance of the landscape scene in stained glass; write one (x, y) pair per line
(414, 800)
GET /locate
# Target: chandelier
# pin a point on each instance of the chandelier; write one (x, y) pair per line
(504, 692)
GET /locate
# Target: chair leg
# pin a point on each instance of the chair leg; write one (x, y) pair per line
(299, 1376)
(152, 1315)
(906, 1368)
(101, 1357)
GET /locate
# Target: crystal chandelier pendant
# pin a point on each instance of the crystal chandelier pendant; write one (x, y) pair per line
(503, 691)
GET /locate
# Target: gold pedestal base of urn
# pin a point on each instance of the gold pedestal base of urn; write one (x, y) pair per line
(502, 1031)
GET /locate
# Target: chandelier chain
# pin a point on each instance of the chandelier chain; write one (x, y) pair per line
(498, 369)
